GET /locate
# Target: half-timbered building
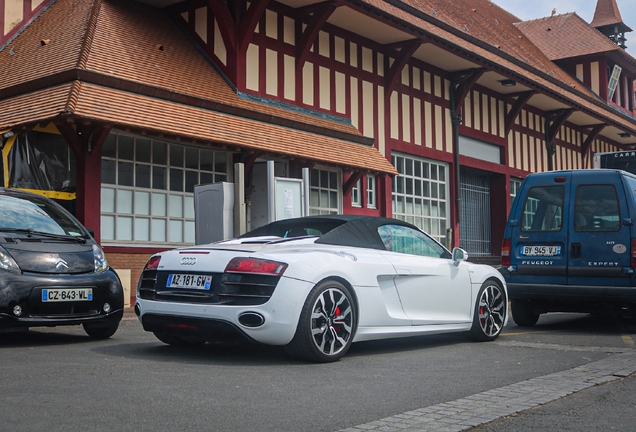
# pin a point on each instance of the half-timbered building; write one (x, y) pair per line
(431, 111)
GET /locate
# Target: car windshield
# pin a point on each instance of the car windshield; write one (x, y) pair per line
(33, 214)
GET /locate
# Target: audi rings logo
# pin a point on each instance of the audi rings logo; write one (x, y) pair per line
(188, 261)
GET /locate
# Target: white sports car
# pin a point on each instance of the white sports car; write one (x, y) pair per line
(316, 284)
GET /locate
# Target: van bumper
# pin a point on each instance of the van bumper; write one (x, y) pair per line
(572, 293)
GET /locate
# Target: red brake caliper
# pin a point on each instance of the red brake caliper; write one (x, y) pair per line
(336, 314)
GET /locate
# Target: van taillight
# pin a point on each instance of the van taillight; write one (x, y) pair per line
(633, 261)
(505, 252)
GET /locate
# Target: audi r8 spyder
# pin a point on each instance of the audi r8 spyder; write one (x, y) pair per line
(52, 272)
(316, 284)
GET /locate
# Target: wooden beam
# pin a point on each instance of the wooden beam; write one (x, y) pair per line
(249, 163)
(407, 50)
(556, 120)
(355, 176)
(225, 21)
(68, 132)
(522, 100)
(321, 14)
(250, 21)
(461, 84)
(596, 130)
(553, 122)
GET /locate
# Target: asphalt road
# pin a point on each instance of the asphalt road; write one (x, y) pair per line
(60, 380)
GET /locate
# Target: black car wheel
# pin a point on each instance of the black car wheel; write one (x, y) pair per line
(327, 324)
(490, 312)
(100, 331)
(522, 313)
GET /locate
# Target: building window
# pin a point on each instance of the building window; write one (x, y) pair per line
(147, 191)
(356, 194)
(420, 194)
(371, 194)
(515, 184)
(614, 82)
(324, 192)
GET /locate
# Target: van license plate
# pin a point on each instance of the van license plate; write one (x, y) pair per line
(540, 250)
(189, 281)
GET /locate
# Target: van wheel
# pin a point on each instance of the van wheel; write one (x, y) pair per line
(490, 312)
(522, 313)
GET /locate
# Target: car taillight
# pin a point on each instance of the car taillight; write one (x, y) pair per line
(633, 260)
(153, 263)
(254, 265)
(505, 252)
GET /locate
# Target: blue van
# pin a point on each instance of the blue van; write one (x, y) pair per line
(570, 244)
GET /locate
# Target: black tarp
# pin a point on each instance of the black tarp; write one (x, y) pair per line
(41, 161)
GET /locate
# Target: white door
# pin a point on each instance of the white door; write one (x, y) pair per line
(432, 289)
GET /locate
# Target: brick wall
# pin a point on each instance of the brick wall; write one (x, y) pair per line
(134, 262)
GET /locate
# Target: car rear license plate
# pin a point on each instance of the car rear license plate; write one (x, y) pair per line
(67, 294)
(540, 250)
(189, 281)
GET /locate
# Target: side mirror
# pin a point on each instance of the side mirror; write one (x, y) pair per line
(91, 232)
(459, 255)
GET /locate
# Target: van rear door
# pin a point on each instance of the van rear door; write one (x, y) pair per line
(539, 235)
(599, 252)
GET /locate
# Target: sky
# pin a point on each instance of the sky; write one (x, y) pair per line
(533, 9)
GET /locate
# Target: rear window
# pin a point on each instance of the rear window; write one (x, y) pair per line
(596, 208)
(543, 209)
(296, 228)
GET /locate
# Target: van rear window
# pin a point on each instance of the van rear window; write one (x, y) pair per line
(596, 208)
(543, 209)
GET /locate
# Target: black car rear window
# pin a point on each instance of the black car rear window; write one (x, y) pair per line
(296, 228)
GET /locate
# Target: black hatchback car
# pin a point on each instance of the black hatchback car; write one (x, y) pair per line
(52, 272)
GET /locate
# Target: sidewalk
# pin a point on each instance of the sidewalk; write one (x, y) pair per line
(481, 408)
(129, 312)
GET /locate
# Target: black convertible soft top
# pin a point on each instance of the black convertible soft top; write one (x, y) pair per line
(343, 230)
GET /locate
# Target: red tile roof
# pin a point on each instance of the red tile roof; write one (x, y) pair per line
(43, 105)
(502, 48)
(117, 44)
(128, 110)
(607, 13)
(492, 28)
(565, 36)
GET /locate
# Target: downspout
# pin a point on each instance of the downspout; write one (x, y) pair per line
(456, 120)
(548, 146)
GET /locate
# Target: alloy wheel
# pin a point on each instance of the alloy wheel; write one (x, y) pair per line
(331, 321)
(491, 310)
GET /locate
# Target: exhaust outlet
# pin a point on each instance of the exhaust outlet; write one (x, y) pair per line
(251, 319)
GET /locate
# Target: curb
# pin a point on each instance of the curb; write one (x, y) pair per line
(478, 409)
